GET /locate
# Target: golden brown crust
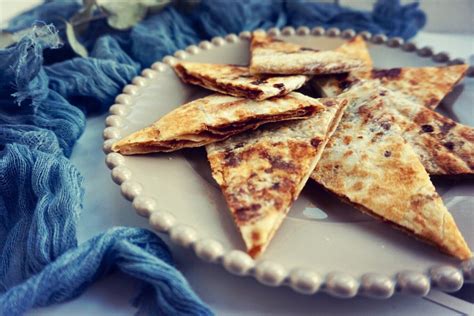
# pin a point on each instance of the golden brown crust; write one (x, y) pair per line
(261, 173)
(424, 85)
(368, 163)
(357, 48)
(272, 56)
(444, 146)
(237, 80)
(214, 118)
(452, 229)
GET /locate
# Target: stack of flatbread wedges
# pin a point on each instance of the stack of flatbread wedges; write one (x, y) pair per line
(373, 138)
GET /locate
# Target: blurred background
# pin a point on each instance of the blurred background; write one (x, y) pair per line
(444, 16)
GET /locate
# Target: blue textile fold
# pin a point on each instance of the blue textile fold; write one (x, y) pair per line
(388, 17)
(46, 93)
(136, 252)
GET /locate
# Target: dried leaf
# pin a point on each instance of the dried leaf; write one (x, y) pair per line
(123, 15)
(76, 46)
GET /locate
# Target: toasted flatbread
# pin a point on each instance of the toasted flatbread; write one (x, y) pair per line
(262, 172)
(357, 48)
(273, 56)
(237, 80)
(368, 164)
(214, 118)
(444, 146)
(333, 85)
(425, 85)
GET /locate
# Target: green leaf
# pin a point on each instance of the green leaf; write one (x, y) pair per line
(76, 46)
(123, 15)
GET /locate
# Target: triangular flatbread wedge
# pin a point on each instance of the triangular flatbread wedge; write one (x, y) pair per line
(273, 56)
(368, 164)
(425, 85)
(444, 146)
(357, 48)
(333, 85)
(237, 80)
(261, 173)
(214, 118)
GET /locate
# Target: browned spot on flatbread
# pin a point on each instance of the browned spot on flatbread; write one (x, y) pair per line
(329, 103)
(315, 142)
(300, 150)
(309, 49)
(255, 250)
(255, 236)
(365, 113)
(427, 128)
(247, 213)
(230, 159)
(392, 73)
(449, 145)
(347, 140)
(468, 134)
(431, 103)
(278, 163)
(446, 127)
(386, 125)
(259, 81)
(358, 186)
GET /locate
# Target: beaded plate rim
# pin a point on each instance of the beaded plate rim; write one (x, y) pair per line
(446, 278)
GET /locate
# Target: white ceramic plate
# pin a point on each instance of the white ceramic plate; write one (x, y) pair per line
(323, 244)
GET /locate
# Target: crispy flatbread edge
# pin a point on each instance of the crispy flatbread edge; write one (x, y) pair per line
(318, 83)
(256, 251)
(229, 89)
(367, 211)
(209, 83)
(465, 68)
(212, 134)
(351, 65)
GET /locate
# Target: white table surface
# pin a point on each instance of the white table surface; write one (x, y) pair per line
(226, 294)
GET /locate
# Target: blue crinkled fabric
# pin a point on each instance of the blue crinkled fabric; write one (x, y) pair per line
(136, 252)
(46, 93)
